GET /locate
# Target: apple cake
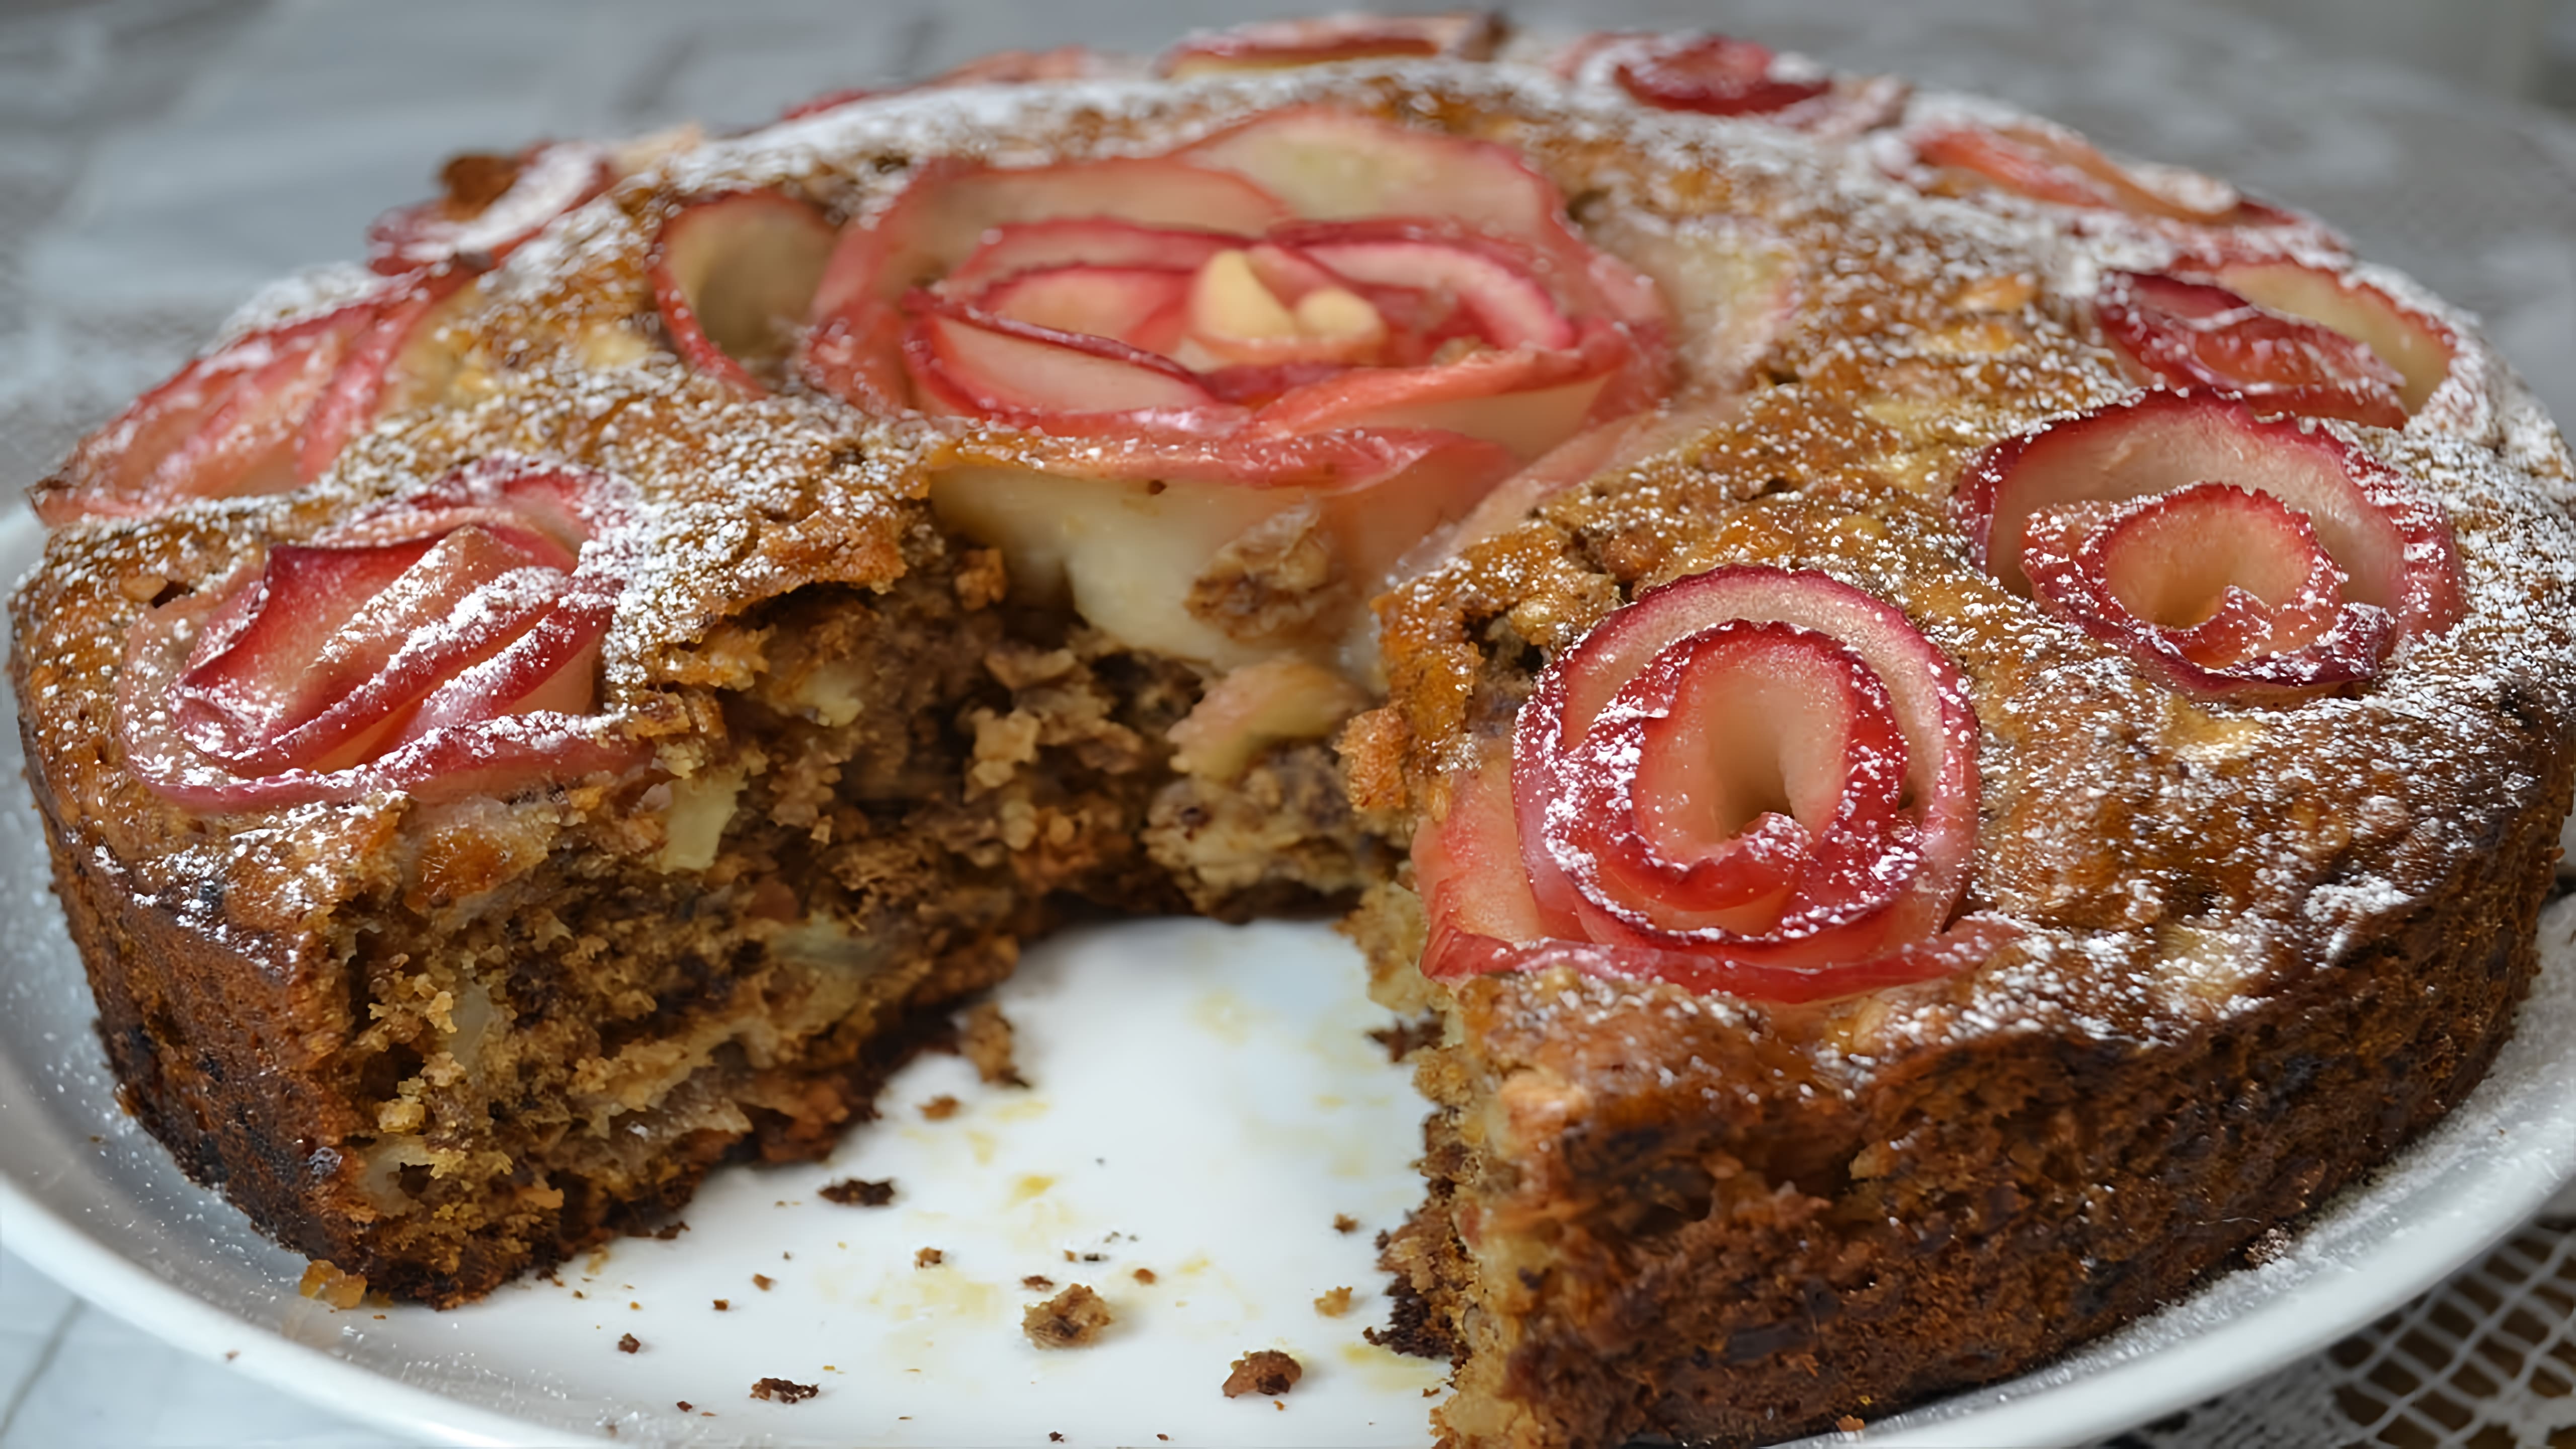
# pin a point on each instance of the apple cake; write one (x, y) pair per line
(1949, 727)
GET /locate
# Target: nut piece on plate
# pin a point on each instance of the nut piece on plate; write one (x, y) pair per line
(1074, 1318)
(1263, 1371)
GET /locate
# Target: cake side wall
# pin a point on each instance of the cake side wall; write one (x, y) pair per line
(2040, 1190)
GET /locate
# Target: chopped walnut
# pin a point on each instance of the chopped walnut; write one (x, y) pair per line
(629, 1343)
(1073, 1318)
(783, 1391)
(859, 1192)
(1273, 579)
(1345, 1223)
(939, 1108)
(1037, 1282)
(1263, 1371)
(323, 1280)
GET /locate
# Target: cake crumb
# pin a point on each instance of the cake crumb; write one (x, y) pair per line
(1851, 1423)
(629, 1343)
(1263, 1371)
(1405, 1038)
(1334, 1303)
(783, 1391)
(1143, 1275)
(1037, 1282)
(667, 1231)
(1345, 1223)
(981, 581)
(1054, 1437)
(859, 1192)
(762, 1281)
(324, 1280)
(985, 1038)
(724, 1305)
(1073, 1318)
(939, 1108)
(685, 1405)
(929, 1258)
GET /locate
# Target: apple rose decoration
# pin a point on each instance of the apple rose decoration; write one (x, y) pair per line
(2318, 343)
(2253, 560)
(489, 205)
(1278, 357)
(444, 644)
(1334, 39)
(1755, 780)
(269, 411)
(2048, 163)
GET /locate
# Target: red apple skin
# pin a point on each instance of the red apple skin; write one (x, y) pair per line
(219, 709)
(1498, 899)
(2044, 164)
(1714, 75)
(2393, 543)
(1324, 40)
(2245, 652)
(552, 178)
(777, 233)
(2196, 334)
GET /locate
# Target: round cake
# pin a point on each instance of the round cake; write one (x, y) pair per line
(1941, 730)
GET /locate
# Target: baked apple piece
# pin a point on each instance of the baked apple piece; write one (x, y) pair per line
(2048, 163)
(732, 276)
(2285, 336)
(2200, 334)
(1213, 396)
(1328, 39)
(269, 411)
(489, 206)
(1754, 780)
(445, 643)
(2242, 558)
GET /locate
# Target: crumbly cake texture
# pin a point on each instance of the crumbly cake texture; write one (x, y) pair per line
(440, 1043)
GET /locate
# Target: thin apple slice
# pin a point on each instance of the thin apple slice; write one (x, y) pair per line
(2223, 591)
(854, 351)
(1335, 165)
(1133, 305)
(1327, 39)
(397, 364)
(1755, 780)
(2417, 347)
(229, 424)
(2393, 544)
(734, 277)
(491, 206)
(1733, 785)
(1528, 402)
(945, 214)
(441, 643)
(974, 362)
(1894, 887)
(1508, 306)
(1034, 246)
(1713, 75)
(2194, 334)
(2052, 164)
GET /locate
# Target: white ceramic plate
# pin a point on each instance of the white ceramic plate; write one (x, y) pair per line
(1205, 1105)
